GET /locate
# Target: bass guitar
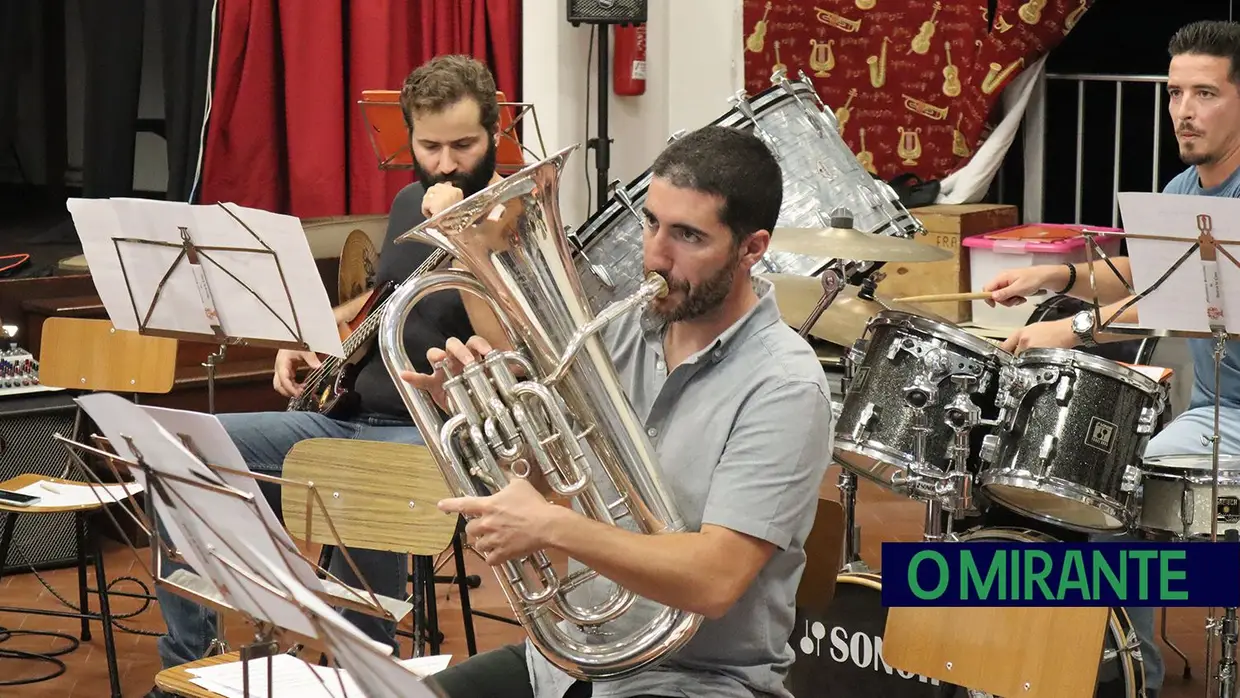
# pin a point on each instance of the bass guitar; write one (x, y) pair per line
(328, 389)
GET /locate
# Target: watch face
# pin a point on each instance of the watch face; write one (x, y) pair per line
(1081, 322)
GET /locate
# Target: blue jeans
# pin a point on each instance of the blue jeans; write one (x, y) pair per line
(264, 439)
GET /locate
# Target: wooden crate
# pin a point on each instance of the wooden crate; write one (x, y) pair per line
(946, 225)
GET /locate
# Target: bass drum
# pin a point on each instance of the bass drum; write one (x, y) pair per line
(840, 652)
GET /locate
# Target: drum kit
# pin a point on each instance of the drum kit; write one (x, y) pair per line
(929, 411)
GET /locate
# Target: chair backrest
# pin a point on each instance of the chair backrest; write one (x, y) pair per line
(85, 354)
(378, 496)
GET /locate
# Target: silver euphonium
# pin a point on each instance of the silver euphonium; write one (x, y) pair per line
(553, 403)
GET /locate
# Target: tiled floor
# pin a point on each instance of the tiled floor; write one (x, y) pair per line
(881, 515)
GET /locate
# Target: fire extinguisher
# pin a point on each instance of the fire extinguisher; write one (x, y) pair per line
(629, 71)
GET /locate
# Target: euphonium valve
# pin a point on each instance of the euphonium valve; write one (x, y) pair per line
(552, 404)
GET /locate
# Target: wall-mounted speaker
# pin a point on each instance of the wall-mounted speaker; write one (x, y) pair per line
(606, 12)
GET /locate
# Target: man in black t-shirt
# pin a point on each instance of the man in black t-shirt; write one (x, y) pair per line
(451, 109)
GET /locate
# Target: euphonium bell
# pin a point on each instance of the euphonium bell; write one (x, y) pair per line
(553, 403)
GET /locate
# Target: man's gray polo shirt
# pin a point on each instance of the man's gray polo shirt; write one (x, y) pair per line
(743, 431)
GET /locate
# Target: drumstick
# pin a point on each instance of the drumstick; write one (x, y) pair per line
(950, 297)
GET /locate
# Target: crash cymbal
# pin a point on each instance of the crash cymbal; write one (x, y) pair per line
(844, 321)
(850, 243)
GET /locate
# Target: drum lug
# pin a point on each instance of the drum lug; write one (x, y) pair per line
(1046, 453)
(1132, 478)
(1063, 391)
(989, 451)
(865, 424)
(597, 270)
(741, 102)
(1147, 420)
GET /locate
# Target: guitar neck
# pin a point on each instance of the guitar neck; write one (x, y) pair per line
(370, 325)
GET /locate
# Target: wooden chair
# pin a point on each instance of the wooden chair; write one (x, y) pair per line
(89, 355)
(379, 496)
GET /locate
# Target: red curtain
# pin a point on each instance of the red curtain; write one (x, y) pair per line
(285, 133)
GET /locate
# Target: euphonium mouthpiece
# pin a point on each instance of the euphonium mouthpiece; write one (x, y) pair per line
(656, 284)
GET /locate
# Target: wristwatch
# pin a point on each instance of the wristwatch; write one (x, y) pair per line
(1083, 328)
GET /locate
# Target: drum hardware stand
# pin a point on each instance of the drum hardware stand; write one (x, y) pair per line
(832, 282)
(213, 359)
(848, 497)
(918, 398)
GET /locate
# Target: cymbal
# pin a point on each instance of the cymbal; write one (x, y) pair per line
(849, 243)
(845, 319)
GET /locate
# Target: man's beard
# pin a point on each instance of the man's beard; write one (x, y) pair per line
(1196, 159)
(702, 298)
(1189, 157)
(470, 182)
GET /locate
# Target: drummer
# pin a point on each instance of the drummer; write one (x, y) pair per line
(1203, 91)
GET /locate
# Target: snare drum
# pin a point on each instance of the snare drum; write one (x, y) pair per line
(906, 360)
(1070, 433)
(820, 173)
(1176, 493)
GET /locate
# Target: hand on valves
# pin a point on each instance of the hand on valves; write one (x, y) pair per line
(517, 520)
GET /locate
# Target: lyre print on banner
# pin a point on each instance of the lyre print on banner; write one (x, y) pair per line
(918, 78)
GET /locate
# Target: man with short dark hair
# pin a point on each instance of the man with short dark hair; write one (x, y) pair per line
(1203, 89)
(451, 108)
(738, 411)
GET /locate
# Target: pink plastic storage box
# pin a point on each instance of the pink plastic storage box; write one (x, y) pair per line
(1027, 246)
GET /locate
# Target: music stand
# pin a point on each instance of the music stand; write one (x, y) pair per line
(1181, 227)
(223, 274)
(389, 134)
(218, 522)
(364, 661)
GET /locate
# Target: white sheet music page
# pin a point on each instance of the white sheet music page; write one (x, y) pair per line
(1199, 291)
(217, 533)
(369, 663)
(252, 273)
(216, 447)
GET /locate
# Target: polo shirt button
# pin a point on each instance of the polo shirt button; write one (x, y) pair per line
(717, 354)
(652, 432)
(660, 365)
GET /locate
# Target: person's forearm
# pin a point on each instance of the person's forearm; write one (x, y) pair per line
(345, 312)
(673, 569)
(1109, 288)
(1129, 317)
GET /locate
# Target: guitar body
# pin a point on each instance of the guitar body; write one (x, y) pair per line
(330, 392)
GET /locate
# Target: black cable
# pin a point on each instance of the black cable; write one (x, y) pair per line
(145, 596)
(585, 161)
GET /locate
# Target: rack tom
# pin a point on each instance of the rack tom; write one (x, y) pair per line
(1070, 433)
(907, 370)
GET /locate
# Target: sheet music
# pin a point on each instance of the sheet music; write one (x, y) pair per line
(1185, 299)
(216, 447)
(294, 678)
(266, 310)
(207, 527)
(58, 494)
(370, 663)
